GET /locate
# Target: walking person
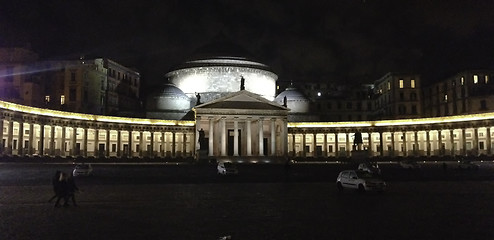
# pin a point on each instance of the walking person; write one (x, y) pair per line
(61, 190)
(55, 183)
(71, 190)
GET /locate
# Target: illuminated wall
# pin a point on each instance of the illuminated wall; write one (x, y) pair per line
(214, 78)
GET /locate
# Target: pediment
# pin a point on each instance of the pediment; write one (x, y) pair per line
(242, 100)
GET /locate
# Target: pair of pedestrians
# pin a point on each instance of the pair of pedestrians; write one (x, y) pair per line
(65, 188)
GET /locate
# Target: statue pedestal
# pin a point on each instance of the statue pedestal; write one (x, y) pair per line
(360, 155)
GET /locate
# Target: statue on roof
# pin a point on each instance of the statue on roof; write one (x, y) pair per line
(242, 83)
(198, 97)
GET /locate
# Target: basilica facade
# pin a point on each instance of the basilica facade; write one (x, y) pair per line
(227, 107)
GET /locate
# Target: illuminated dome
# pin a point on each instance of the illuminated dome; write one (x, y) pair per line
(295, 100)
(217, 69)
(167, 102)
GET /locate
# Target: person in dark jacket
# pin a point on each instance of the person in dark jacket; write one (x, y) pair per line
(71, 190)
(61, 190)
(56, 185)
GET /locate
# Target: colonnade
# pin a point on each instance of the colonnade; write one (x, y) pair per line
(46, 136)
(244, 135)
(456, 139)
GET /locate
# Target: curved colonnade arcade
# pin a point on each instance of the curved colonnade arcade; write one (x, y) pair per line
(29, 131)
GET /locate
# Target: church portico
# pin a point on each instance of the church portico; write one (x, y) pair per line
(241, 124)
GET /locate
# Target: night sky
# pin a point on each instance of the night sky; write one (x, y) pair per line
(347, 41)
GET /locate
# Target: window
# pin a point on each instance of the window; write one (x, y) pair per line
(401, 83)
(445, 97)
(402, 96)
(72, 76)
(486, 79)
(462, 80)
(483, 105)
(47, 98)
(413, 96)
(62, 99)
(412, 83)
(349, 105)
(414, 109)
(389, 86)
(475, 79)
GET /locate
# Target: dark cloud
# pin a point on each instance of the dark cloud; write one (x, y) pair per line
(320, 40)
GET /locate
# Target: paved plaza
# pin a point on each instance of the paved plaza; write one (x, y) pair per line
(134, 207)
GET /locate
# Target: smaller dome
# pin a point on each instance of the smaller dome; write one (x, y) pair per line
(167, 97)
(295, 100)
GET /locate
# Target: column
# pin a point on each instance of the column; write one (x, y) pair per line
(369, 140)
(464, 141)
(174, 143)
(427, 142)
(10, 135)
(141, 142)
(96, 142)
(405, 150)
(293, 145)
(85, 141)
(314, 144)
(198, 128)
(107, 147)
(223, 136)
(119, 143)
(249, 137)
(184, 144)
(235, 137)
(1, 134)
(211, 137)
(152, 143)
(325, 146)
(304, 153)
(381, 144)
(488, 140)
(31, 138)
(452, 140)
(284, 138)
(416, 139)
(41, 139)
(20, 138)
(336, 147)
(348, 148)
(392, 144)
(74, 141)
(273, 137)
(130, 148)
(476, 141)
(62, 142)
(440, 141)
(52, 140)
(163, 149)
(261, 138)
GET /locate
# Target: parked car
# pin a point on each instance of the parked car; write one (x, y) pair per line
(369, 167)
(409, 164)
(227, 168)
(360, 180)
(82, 170)
(468, 165)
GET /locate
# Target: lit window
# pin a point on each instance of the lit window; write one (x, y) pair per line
(277, 87)
(401, 83)
(412, 83)
(475, 79)
(318, 94)
(462, 80)
(486, 79)
(446, 97)
(389, 86)
(62, 99)
(47, 98)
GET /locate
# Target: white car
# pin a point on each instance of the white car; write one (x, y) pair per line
(360, 180)
(82, 170)
(227, 168)
(369, 167)
(409, 164)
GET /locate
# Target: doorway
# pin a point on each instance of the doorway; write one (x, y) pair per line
(231, 137)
